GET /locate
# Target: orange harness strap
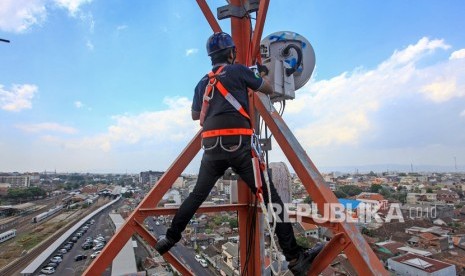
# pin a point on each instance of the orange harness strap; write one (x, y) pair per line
(215, 83)
(227, 132)
(231, 99)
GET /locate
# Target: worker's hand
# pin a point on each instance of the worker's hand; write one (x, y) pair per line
(262, 69)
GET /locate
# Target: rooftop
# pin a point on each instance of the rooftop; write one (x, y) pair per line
(424, 263)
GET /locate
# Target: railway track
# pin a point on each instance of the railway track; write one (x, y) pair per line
(14, 268)
(23, 222)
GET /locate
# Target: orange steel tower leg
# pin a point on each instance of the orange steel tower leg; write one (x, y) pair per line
(347, 238)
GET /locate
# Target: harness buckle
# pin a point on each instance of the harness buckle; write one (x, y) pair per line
(256, 148)
(210, 85)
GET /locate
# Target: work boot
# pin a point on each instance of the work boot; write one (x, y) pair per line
(301, 265)
(164, 245)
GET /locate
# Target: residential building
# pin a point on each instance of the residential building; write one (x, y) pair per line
(411, 264)
(212, 255)
(16, 181)
(429, 240)
(416, 198)
(4, 189)
(447, 196)
(281, 179)
(310, 230)
(375, 200)
(229, 265)
(149, 177)
(178, 183)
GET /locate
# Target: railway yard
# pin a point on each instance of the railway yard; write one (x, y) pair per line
(35, 229)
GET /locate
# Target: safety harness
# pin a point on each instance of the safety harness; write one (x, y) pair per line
(213, 85)
(257, 154)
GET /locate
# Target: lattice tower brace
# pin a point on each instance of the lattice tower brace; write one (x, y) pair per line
(347, 239)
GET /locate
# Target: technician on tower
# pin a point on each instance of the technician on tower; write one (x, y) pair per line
(220, 103)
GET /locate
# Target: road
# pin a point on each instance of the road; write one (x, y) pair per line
(183, 253)
(71, 267)
(102, 226)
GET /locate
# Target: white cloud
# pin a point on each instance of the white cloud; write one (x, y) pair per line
(71, 5)
(342, 120)
(341, 110)
(89, 45)
(19, 15)
(19, 98)
(441, 90)
(414, 52)
(78, 104)
(166, 126)
(191, 51)
(87, 18)
(458, 54)
(121, 27)
(47, 126)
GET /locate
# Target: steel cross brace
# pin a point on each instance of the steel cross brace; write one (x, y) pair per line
(331, 250)
(132, 224)
(358, 252)
(360, 255)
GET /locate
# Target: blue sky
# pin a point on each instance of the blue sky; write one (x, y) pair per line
(106, 86)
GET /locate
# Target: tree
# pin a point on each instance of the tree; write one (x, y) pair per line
(350, 190)
(19, 194)
(308, 199)
(340, 194)
(217, 220)
(303, 241)
(367, 232)
(375, 188)
(233, 223)
(37, 192)
(385, 193)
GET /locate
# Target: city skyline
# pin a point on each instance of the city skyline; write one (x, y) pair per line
(89, 86)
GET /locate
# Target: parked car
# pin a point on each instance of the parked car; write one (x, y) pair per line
(80, 258)
(74, 239)
(54, 265)
(94, 255)
(98, 246)
(58, 255)
(63, 251)
(86, 246)
(56, 259)
(203, 263)
(48, 270)
(198, 258)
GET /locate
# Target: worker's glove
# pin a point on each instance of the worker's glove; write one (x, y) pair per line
(262, 70)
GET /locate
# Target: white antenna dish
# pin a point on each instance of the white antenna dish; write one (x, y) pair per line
(290, 59)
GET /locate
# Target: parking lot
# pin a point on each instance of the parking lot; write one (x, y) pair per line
(79, 250)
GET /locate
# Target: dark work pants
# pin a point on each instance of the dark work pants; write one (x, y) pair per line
(210, 171)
